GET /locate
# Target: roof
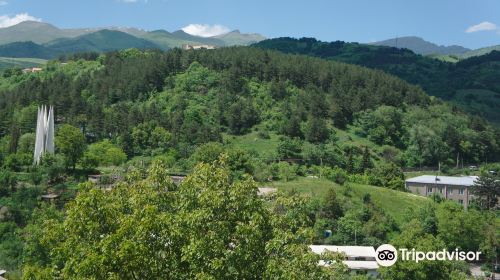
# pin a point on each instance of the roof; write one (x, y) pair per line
(356, 265)
(350, 251)
(50, 196)
(444, 180)
(266, 191)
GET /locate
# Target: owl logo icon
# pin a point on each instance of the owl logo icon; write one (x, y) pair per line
(386, 255)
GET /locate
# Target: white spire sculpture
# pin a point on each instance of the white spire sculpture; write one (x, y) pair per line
(44, 141)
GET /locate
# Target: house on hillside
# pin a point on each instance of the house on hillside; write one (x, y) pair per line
(32, 70)
(454, 188)
(359, 259)
(197, 47)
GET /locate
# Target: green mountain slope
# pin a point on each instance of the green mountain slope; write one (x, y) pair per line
(478, 52)
(27, 49)
(235, 37)
(100, 41)
(420, 46)
(438, 78)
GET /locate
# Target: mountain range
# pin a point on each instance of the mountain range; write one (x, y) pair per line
(421, 46)
(43, 40)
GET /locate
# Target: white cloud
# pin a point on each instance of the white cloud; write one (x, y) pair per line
(483, 26)
(128, 1)
(3, 3)
(6, 21)
(205, 30)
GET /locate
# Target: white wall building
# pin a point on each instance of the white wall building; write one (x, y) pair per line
(359, 259)
(456, 188)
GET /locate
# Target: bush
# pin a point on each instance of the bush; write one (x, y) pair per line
(36, 176)
(53, 166)
(262, 172)
(337, 175)
(15, 162)
(7, 182)
(286, 171)
(104, 153)
(263, 134)
(289, 148)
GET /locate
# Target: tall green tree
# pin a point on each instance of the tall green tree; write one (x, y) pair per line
(487, 189)
(70, 141)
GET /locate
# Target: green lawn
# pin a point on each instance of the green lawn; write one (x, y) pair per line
(394, 203)
(267, 147)
(349, 137)
(251, 141)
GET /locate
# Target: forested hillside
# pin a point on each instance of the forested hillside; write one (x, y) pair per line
(229, 118)
(196, 96)
(437, 78)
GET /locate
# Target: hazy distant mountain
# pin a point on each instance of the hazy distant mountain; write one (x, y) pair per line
(235, 37)
(167, 40)
(201, 40)
(37, 32)
(100, 41)
(420, 46)
(44, 33)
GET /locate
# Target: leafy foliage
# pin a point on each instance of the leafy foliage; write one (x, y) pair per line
(207, 228)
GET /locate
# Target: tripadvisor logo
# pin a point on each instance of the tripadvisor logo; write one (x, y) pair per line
(387, 255)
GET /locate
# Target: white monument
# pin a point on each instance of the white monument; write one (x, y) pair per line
(44, 142)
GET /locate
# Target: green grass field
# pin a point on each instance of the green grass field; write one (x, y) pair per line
(251, 141)
(394, 203)
(267, 147)
(8, 62)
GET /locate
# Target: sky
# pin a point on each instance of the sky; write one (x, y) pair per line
(469, 23)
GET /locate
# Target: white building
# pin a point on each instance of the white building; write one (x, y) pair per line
(449, 187)
(198, 47)
(358, 258)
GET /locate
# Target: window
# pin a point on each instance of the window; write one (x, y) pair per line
(461, 201)
(429, 189)
(440, 190)
(450, 191)
(461, 191)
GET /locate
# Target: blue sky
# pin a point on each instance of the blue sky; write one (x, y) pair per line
(444, 22)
